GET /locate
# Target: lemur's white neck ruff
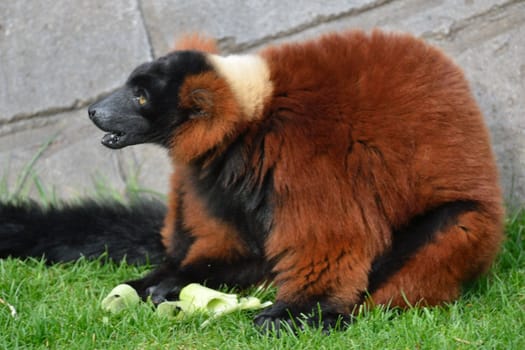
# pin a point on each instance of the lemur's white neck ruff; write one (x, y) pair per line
(249, 79)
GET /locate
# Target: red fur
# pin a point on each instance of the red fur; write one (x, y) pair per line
(171, 215)
(218, 114)
(436, 273)
(367, 132)
(214, 239)
(417, 140)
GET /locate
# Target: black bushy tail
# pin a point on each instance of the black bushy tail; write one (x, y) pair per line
(67, 232)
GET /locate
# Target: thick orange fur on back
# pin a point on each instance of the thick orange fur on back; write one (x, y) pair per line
(399, 135)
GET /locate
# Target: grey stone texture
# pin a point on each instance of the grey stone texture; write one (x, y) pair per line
(58, 56)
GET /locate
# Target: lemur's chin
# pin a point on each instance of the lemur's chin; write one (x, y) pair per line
(114, 140)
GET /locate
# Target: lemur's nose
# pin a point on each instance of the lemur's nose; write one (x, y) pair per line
(91, 112)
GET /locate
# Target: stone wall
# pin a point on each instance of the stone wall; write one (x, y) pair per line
(58, 56)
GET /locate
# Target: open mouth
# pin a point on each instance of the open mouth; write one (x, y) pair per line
(113, 139)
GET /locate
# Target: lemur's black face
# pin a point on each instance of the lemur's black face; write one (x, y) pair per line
(146, 109)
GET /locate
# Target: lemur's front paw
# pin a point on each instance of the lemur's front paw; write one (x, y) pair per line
(160, 284)
(283, 316)
(167, 289)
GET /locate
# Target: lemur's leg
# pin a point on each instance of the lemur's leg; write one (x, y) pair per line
(201, 248)
(464, 244)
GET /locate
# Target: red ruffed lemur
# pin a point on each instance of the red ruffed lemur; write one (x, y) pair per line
(350, 169)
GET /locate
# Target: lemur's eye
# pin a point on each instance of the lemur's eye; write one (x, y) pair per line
(141, 97)
(142, 100)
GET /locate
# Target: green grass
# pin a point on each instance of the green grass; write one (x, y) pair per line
(58, 307)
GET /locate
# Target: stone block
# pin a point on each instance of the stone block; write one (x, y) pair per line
(56, 55)
(239, 25)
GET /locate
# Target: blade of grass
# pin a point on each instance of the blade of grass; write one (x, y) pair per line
(22, 180)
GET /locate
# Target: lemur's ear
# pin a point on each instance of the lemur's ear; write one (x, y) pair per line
(197, 94)
(201, 103)
(208, 96)
(196, 41)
